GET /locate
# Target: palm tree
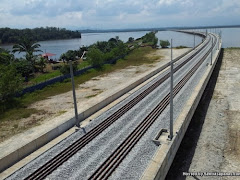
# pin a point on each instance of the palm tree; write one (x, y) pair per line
(27, 46)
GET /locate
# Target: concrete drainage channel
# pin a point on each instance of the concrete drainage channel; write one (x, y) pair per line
(20, 153)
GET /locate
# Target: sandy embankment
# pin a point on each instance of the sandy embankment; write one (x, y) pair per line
(93, 90)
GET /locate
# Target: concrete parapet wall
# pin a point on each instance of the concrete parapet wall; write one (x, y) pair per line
(162, 160)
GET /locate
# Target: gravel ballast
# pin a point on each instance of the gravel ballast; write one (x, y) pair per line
(83, 163)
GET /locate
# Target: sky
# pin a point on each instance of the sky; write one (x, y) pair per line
(117, 14)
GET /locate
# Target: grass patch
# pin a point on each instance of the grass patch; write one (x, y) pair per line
(233, 48)
(138, 56)
(44, 77)
(96, 89)
(135, 58)
(83, 64)
(61, 112)
(181, 47)
(18, 113)
(52, 73)
(10, 123)
(151, 65)
(154, 58)
(91, 96)
(138, 71)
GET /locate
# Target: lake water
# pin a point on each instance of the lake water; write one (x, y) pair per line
(230, 37)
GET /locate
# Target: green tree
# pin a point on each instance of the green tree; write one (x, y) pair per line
(41, 64)
(103, 46)
(151, 39)
(95, 57)
(130, 39)
(65, 69)
(114, 40)
(29, 47)
(164, 44)
(8, 35)
(108, 56)
(6, 57)
(120, 49)
(69, 55)
(10, 84)
(63, 57)
(24, 68)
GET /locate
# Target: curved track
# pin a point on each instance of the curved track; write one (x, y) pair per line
(113, 161)
(107, 168)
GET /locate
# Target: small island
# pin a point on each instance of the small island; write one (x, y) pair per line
(8, 35)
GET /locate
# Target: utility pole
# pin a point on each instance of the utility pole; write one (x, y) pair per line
(194, 40)
(74, 95)
(219, 40)
(171, 97)
(212, 53)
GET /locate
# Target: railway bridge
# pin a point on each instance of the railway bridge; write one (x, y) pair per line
(131, 140)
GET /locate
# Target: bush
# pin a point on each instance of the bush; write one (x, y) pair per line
(56, 67)
(65, 69)
(164, 44)
(5, 57)
(95, 57)
(69, 55)
(150, 38)
(10, 84)
(181, 47)
(24, 68)
(130, 39)
(40, 64)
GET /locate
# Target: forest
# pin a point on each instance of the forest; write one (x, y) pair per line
(8, 35)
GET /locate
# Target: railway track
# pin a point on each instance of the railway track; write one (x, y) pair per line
(51, 165)
(113, 161)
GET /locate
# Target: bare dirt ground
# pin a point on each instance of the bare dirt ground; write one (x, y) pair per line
(212, 141)
(86, 93)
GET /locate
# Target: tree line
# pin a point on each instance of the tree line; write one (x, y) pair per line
(8, 35)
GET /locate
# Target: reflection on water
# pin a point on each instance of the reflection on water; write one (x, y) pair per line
(230, 36)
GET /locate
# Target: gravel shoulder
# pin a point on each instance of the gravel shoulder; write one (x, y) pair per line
(212, 141)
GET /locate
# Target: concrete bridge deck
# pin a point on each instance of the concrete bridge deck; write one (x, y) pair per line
(163, 158)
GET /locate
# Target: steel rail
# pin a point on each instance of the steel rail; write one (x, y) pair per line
(63, 156)
(113, 161)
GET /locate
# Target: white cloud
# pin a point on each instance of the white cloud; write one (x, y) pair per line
(116, 13)
(228, 6)
(167, 2)
(74, 15)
